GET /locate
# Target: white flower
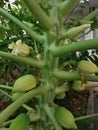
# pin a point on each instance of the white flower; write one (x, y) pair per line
(11, 46)
(20, 48)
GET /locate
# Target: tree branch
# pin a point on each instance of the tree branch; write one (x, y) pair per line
(4, 115)
(86, 117)
(30, 32)
(70, 76)
(78, 46)
(21, 59)
(46, 21)
(90, 16)
(67, 6)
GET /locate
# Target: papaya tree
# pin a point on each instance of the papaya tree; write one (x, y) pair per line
(51, 36)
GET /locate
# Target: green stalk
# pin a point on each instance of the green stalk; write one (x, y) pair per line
(78, 46)
(52, 117)
(46, 21)
(6, 113)
(5, 93)
(25, 60)
(86, 117)
(24, 105)
(46, 72)
(91, 85)
(90, 16)
(27, 107)
(6, 87)
(69, 76)
(7, 123)
(67, 6)
(61, 89)
(30, 32)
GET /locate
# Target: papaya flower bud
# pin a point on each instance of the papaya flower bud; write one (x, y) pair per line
(78, 85)
(12, 45)
(38, 56)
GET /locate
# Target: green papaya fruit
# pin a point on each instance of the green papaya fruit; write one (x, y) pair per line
(21, 122)
(87, 67)
(60, 95)
(65, 118)
(78, 86)
(24, 83)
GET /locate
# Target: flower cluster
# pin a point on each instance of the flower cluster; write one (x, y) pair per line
(19, 48)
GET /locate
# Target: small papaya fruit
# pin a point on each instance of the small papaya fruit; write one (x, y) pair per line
(65, 118)
(78, 85)
(21, 122)
(87, 67)
(24, 83)
(60, 95)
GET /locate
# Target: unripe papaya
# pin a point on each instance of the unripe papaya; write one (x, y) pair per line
(87, 67)
(78, 86)
(75, 31)
(21, 122)
(60, 95)
(24, 83)
(65, 118)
